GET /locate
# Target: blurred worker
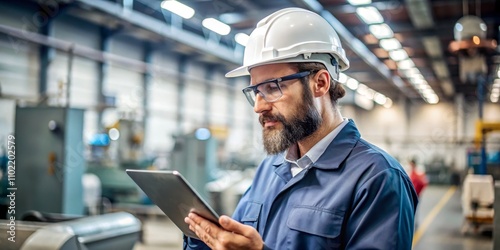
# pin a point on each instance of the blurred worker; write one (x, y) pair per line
(322, 186)
(418, 178)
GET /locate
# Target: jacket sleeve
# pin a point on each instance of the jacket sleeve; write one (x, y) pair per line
(194, 244)
(383, 212)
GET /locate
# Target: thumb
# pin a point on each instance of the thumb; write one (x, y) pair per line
(231, 225)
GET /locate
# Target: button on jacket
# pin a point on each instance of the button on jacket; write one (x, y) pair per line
(355, 196)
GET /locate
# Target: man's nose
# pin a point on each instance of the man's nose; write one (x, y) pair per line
(261, 104)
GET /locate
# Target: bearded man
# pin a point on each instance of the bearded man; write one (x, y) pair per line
(322, 186)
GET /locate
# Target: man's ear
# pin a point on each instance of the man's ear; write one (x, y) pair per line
(321, 83)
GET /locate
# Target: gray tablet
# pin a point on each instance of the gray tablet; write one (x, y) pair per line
(174, 196)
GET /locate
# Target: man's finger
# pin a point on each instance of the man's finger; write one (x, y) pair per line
(234, 226)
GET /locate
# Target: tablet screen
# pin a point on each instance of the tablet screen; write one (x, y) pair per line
(174, 196)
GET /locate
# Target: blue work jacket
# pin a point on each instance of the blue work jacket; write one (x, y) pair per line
(355, 196)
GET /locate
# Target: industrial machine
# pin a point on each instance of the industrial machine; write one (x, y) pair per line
(195, 156)
(478, 197)
(49, 160)
(115, 149)
(110, 231)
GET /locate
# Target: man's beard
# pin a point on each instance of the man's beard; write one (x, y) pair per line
(298, 127)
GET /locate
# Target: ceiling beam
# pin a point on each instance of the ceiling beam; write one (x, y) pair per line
(156, 26)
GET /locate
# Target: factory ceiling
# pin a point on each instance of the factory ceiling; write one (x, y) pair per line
(423, 28)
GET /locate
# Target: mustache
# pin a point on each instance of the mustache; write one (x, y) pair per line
(270, 117)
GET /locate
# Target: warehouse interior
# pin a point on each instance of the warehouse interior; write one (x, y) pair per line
(89, 89)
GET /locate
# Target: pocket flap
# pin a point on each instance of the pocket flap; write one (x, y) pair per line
(252, 212)
(317, 221)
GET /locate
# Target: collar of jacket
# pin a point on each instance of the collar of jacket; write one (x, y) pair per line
(337, 151)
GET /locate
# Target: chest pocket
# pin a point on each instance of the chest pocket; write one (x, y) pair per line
(316, 221)
(252, 213)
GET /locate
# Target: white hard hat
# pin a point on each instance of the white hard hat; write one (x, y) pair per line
(293, 35)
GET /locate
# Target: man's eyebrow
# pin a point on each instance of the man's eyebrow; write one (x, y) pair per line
(266, 80)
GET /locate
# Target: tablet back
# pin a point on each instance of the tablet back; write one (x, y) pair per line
(173, 195)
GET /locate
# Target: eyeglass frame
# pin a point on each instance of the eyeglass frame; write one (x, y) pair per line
(247, 91)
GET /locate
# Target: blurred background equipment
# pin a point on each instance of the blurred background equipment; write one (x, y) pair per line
(50, 160)
(102, 232)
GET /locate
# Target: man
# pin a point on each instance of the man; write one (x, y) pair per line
(418, 178)
(322, 186)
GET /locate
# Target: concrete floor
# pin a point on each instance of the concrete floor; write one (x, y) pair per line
(439, 219)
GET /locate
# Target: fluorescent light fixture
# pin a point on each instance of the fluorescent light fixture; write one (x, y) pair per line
(362, 89)
(241, 38)
(343, 78)
(363, 102)
(178, 8)
(433, 99)
(380, 98)
(370, 93)
(408, 73)
(381, 31)
(417, 81)
(427, 92)
(369, 15)
(398, 55)
(359, 2)
(216, 26)
(388, 103)
(494, 98)
(498, 73)
(352, 83)
(423, 86)
(406, 64)
(390, 44)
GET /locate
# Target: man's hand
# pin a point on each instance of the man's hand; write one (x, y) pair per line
(232, 235)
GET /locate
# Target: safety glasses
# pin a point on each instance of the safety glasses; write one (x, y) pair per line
(270, 90)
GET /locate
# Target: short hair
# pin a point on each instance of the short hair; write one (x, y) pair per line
(336, 90)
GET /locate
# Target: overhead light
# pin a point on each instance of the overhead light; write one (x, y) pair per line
(380, 98)
(342, 78)
(362, 89)
(388, 103)
(406, 64)
(352, 83)
(427, 92)
(494, 98)
(390, 44)
(370, 93)
(417, 81)
(369, 15)
(359, 2)
(398, 55)
(381, 31)
(408, 73)
(216, 26)
(476, 40)
(178, 8)
(423, 86)
(241, 38)
(433, 99)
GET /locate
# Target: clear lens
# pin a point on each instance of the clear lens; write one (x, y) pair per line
(271, 91)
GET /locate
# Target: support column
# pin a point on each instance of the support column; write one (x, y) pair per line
(46, 55)
(147, 80)
(231, 101)
(209, 77)
(181, 95)
(102, 75)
